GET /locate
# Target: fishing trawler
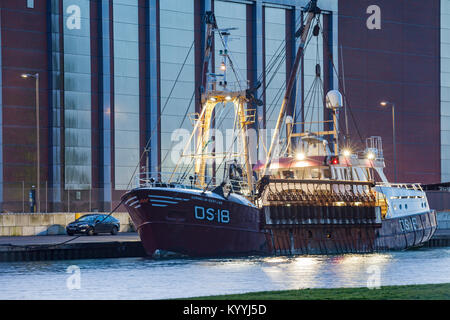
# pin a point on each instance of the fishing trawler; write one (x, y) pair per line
(312, 197)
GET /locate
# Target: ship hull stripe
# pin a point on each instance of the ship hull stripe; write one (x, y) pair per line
(165, 197)
(132, 198)
(163, 201)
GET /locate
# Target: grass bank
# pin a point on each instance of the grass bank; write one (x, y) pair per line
(409, 292)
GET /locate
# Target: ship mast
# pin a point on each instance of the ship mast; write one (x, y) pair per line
(312, 10)
(214, 92)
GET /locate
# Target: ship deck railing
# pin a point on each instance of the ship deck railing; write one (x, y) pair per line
(408, 186)
(335, 192)
(234, 86)
(186, 181)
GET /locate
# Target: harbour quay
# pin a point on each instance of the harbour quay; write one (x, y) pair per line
(42, 224)
(438, 196)
(34, 237)
(441, 238)
(37, 248)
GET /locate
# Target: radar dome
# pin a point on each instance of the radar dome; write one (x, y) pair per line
(334, 99)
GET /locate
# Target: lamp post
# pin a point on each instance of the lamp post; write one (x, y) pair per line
(38, 175)
(385, 104)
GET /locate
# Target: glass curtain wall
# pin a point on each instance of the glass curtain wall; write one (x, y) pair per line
(445, 90)
(229, 15)
(77, 95)
(56, 100)
(126, 91)
(176, 60)
(275, 68)
(313, 109)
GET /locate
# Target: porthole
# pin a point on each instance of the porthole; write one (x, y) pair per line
(406, 206)
(400, 206)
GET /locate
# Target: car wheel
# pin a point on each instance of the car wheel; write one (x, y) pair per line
(114, 231)
(70, 233)
(90, 232)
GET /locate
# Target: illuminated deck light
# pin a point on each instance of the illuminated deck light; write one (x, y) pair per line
(300, 156)
(346, 152)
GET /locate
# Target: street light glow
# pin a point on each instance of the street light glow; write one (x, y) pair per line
(28, 75)
(38, 157)
(385, 104)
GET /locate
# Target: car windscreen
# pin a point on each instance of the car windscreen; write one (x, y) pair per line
(86, 219)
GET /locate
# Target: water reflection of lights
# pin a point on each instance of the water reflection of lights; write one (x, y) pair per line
(352, 260)
(306, 262)
(355, 270)
(291, 263)
(363, 260)
(299, 272)
(379, 259)
(275, 260)
(317, 271)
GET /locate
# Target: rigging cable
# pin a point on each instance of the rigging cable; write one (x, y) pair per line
(341, 85)
(160, 115)
(309, 37)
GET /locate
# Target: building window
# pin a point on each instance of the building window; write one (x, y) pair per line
(30, 4)
(176, 47)
(274, 37)
(314, 112)
(230, 15)
(77, 98)
(126, 91)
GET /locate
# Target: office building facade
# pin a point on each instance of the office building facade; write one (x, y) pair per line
(111, 92)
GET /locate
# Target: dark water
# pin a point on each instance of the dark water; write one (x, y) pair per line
(138, 278)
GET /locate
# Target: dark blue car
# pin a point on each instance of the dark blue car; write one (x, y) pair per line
(92, 224)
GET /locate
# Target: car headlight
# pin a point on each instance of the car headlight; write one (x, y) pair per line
(84, 226)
